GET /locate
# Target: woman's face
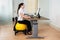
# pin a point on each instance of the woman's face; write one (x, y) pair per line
(23, 6)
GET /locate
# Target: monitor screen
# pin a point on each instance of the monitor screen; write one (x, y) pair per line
(38, 11)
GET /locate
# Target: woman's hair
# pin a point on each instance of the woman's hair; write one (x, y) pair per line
(19, 6)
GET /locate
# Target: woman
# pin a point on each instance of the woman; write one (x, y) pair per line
(21, 17)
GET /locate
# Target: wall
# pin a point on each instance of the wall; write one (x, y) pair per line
(44, 8)
(51, 10)
(5, 11)
(54, 12)
(31, 5)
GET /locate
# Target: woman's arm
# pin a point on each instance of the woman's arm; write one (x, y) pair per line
(24, 16)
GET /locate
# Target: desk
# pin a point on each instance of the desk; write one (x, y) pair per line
(34, 24)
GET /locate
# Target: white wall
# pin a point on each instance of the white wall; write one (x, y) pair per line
(51, 10)
(54, 12)
(31, 6)
(5, 11)
(44, 5)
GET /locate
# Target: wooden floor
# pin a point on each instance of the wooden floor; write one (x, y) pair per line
(7, 33)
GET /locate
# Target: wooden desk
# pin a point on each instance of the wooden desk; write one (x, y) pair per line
(34, 24)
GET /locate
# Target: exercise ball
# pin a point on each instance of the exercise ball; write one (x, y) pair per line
(20, 26)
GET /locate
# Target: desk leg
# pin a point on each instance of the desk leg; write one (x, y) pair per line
(35, 29)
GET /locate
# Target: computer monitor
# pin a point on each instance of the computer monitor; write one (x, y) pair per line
(38, 13)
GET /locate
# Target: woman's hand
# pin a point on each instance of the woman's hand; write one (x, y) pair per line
(28, 17)
(25, 16)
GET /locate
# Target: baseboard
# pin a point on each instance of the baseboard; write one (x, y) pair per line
(55, 26)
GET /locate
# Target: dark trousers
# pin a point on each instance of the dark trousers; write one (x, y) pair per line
(29, 27)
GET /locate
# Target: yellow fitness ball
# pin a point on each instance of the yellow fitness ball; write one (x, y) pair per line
(20, 26)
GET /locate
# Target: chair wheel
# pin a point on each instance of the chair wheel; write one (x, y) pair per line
(16, 32)
(25, 32)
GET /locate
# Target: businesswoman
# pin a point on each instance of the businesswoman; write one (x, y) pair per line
(21, 17)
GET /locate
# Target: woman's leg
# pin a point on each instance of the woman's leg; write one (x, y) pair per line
(28, 25)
